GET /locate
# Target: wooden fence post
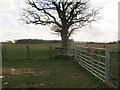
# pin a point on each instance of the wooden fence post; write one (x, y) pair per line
(0, 66)
(50, 51)
(68, 49)
(75, 53)
(107, 66)
(4, 51)
(0, 55)
(28, 51)
(104, 45)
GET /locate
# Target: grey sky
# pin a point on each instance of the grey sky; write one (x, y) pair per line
(12, 29)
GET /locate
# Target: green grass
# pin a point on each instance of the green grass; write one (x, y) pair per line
(41, 71)
(114, 67)
(56, 74)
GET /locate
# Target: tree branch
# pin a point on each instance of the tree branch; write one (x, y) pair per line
(73, 29)
(71, 15)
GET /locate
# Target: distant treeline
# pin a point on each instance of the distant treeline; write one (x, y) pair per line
(114, 42)
(41, 41)
(34, 41)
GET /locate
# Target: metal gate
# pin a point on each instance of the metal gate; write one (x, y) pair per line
(95, 60)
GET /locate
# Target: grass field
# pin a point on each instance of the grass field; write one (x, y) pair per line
(41, 71)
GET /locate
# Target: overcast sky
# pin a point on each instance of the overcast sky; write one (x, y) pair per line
(11, 28)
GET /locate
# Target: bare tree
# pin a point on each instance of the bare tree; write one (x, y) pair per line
(66, 16)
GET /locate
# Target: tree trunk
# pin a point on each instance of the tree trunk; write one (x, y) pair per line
(64, 40)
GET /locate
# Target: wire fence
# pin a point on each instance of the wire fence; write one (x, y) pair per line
(101, 62)
(22, 51)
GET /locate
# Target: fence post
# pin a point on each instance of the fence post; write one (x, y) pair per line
(98, 60)
(74, 53)
(0, 55)
(104, 45)
(28, 51)
(92, 58)
(0, 66)
(50, 51)
(68, 49)
(80, 54)
(4, 51)
(107, 65)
